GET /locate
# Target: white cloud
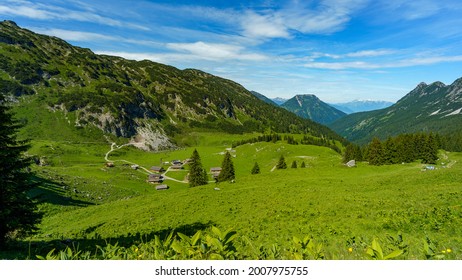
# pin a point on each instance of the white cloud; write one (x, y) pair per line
(398, 64)
(264, 26)
(187, 52)
(326, 17)
(209, 51)
(162, 58)
(370, 53)
(25, 12)
(50, 12)
(80, 36)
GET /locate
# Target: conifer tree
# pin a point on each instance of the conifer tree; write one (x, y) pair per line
(349, 153)
(17, 211)
(375, 152)
(430, 150)
(227, 169)
(197, 174)
(303, 165)
(255, 169)
(390, 151)
(281, 163)
(294, 164)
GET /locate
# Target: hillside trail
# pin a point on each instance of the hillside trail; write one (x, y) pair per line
(114, 147)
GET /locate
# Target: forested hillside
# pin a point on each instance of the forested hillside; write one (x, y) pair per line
(142, 100)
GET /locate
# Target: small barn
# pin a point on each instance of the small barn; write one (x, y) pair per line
(162, 187)
(157, 169)
(176, 166)
(109, 164)
(215, 171)
(155, 178)
(176, 161)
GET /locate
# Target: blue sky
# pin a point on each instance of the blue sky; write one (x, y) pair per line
(339, 50)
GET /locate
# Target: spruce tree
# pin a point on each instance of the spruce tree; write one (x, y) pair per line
(294, 164)
(197, 174)
(281, 163)
(430, 150)
(255, 169)
(375, 152)
(349, 153)
(303, 165)
(227, 169)
(18, 213)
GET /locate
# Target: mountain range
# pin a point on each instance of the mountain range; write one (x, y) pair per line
(309, 106)
(432, 107)
(356, 106)
(147, 102)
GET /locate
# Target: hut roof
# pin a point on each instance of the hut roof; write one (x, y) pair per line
(162, 187)
(157, 168)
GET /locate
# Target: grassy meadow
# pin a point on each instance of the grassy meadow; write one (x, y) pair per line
(341, 209)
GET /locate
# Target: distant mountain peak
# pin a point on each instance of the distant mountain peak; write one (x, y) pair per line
(361, 105)
(435, 107)
(309, 106)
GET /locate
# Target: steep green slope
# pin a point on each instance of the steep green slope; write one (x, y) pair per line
(308, 106)
(145, 101)
(435, 107)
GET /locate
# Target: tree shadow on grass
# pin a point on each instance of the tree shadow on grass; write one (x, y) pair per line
(22, 250)
(55, 193)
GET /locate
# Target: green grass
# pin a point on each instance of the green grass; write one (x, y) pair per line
(337, 206)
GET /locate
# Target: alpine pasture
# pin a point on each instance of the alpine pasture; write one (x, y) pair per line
(345, 212)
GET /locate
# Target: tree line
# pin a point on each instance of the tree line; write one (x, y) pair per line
(274, 137)
(402, 148)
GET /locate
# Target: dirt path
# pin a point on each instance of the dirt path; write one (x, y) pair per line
(140, 168)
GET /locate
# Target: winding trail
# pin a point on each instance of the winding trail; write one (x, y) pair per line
(114, 147)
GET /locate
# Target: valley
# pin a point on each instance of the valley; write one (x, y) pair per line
(99, 126)
(87, 203)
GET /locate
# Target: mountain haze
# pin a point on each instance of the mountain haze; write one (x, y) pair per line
(361, 106)
(435, 107)
(146, 102)
(308, 106)
(279, 100)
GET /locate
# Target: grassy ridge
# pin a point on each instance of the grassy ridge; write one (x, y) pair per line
(338, 206)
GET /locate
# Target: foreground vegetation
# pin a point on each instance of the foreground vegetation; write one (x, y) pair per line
(340, 211)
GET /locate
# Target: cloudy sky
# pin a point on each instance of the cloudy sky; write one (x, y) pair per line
(339, 50)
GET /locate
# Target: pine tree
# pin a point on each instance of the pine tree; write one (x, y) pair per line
(197, 174)
(255, 169)
(390, 151)
(375, 152)
(227, 169)
(18, 213)
(294, 164)
(281, 163)
(430, 150)
(349, 153)
(303, 165)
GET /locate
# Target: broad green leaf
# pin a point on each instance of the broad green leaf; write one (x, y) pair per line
(184, 237)
(216, 231)
(196, 238)
(394, 254)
